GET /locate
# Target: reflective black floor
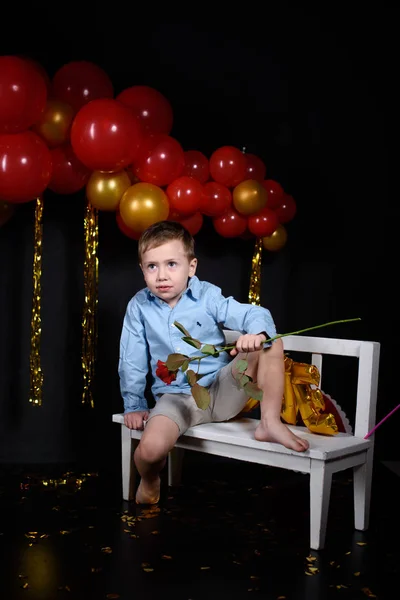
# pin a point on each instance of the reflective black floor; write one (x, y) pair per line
(233, 530)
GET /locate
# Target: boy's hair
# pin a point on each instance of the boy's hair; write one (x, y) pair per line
(165, 231)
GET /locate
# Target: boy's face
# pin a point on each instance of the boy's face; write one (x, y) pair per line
(166, 270)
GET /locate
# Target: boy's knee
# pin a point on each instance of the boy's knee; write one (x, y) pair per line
(152, 450)
(276, 349)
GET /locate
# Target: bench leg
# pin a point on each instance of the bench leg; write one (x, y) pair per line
(362, 478)
(320, 491)
(128, 446)
(175, 461)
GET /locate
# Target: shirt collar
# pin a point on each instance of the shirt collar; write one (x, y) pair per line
(193, 289)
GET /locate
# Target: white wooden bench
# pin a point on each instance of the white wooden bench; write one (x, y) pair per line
(326, 455)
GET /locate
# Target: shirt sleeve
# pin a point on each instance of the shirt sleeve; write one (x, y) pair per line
(133, 360)
(246, 318)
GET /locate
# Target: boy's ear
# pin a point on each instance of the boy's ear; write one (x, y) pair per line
(192, 267)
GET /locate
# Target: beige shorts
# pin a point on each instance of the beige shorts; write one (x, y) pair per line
(227, 400)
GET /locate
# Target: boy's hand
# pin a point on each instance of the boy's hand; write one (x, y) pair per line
(134, 420)
(249, 343)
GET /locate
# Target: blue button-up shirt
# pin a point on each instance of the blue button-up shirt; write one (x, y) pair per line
(149, 334)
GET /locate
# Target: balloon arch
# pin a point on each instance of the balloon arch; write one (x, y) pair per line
(72, 133)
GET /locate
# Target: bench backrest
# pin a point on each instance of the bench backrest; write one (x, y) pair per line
(368, 368)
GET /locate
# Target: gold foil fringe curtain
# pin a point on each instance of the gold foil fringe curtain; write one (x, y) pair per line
(36, 375)
(89, 317)
(255, 275)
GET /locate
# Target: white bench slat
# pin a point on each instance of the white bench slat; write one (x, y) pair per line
(240, 432)
(316, 345)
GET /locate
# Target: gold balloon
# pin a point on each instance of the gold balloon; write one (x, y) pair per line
(6, 212)
(142, 205)
(277, 240)
(55, 122)
(104, 190)
(249, 197)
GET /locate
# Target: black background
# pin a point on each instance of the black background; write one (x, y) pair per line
(310, 91)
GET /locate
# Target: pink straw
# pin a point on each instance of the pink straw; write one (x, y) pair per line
(382, 421)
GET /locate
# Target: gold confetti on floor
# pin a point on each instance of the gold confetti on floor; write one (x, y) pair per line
(311, 558)
(368, 592)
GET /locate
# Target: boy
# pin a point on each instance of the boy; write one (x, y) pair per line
(174, 293)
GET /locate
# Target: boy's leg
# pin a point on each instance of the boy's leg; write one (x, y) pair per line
(172, 415)
(270, 373)
(266, 368)
(158, 438)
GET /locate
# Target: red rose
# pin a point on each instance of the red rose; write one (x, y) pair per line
(164, 374)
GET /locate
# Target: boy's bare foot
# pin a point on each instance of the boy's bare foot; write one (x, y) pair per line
(278, 432)
(148, 492)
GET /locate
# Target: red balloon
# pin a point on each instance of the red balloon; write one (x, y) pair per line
(216, 200)
(192, 223)
(25, 166)
(79, 82)
(228, 166)
(151, 107)
(105, 136)
(274, 192)
(263, 223)
(185, 195)
(69, 174)
(231, 224)
(255, 168)
(41, 70)
(161, 160)
(196, 165)
(286, 209)
(23, 94)
(134, 235)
